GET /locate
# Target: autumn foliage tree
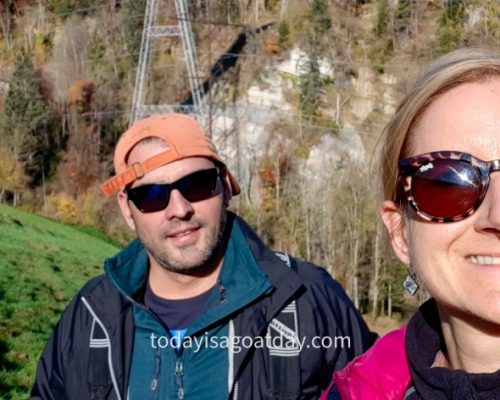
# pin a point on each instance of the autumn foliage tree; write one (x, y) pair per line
(79, 168)
(12, 176)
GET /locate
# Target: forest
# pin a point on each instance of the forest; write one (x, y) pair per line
(69, 70)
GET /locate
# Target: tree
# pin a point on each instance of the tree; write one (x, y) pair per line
(80, 168)
(402, 17)
(492, 21)
(318, 16)
(96, 53)
(310, 86)
(310, 80)
(382, 18)
(26, 129)
(12, 176)
(283, 34)
(67, 7)
(7, 12)
(450, 29)
(133, 24)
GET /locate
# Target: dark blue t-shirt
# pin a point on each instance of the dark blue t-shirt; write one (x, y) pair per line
(177, 315)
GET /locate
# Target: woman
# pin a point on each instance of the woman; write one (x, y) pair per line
(440, 164)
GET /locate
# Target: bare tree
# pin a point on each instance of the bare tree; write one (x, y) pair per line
(376, 270)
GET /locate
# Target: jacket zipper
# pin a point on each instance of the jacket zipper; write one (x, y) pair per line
(154, 381)
(235, 392)
(110, 359)
(409, 392)
(230, 369)
(179, 368)
(179, 372)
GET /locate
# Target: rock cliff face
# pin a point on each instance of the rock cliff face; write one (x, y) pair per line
(366, 59)
(251, 122)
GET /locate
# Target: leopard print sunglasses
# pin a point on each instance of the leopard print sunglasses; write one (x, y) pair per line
(445, 186)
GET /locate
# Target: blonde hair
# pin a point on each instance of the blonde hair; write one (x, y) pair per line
(445, 73)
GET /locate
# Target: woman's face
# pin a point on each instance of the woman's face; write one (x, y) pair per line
(458, 262)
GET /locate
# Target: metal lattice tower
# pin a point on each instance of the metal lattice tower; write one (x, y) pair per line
(203, 79)
(151, 32)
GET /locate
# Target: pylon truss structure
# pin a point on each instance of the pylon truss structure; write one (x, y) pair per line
(181, 29)
(170, 74)
(188, 63)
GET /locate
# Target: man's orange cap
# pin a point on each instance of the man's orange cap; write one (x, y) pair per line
(185, 138)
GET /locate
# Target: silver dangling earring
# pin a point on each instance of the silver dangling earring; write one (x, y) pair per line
(410, 283)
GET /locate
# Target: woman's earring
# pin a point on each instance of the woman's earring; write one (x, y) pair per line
(410, 283)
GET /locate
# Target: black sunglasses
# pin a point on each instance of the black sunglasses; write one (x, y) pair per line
(445, 186)
(199, 185)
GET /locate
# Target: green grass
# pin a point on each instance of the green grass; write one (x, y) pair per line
(42, 266)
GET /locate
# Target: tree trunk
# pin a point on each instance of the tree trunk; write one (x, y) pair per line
(308, 235)
(389, 300)
(277, 186)
(376, 262)
(5, 25)
(355, 272)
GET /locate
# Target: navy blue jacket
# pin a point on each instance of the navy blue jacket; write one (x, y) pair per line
(89, 353)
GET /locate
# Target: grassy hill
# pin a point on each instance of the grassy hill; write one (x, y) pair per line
(42, 265)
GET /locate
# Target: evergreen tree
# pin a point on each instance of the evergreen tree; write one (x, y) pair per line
(310, 86)
(311, 82)
(382, 18)
(25, 128)
(133, 24)
(318, 16)
(96, 54)
(450, 30)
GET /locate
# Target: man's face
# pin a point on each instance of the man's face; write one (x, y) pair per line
(184, 237)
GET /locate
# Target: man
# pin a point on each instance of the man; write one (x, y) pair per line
(197, 307)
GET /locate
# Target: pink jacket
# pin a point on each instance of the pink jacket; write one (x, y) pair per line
(379, 374)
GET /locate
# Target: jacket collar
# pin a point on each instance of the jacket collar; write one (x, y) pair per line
(254, 269)
(240, 283)
(128, 269)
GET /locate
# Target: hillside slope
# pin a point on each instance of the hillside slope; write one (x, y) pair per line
(42, 265)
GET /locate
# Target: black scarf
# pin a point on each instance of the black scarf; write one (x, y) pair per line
(423, 341)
